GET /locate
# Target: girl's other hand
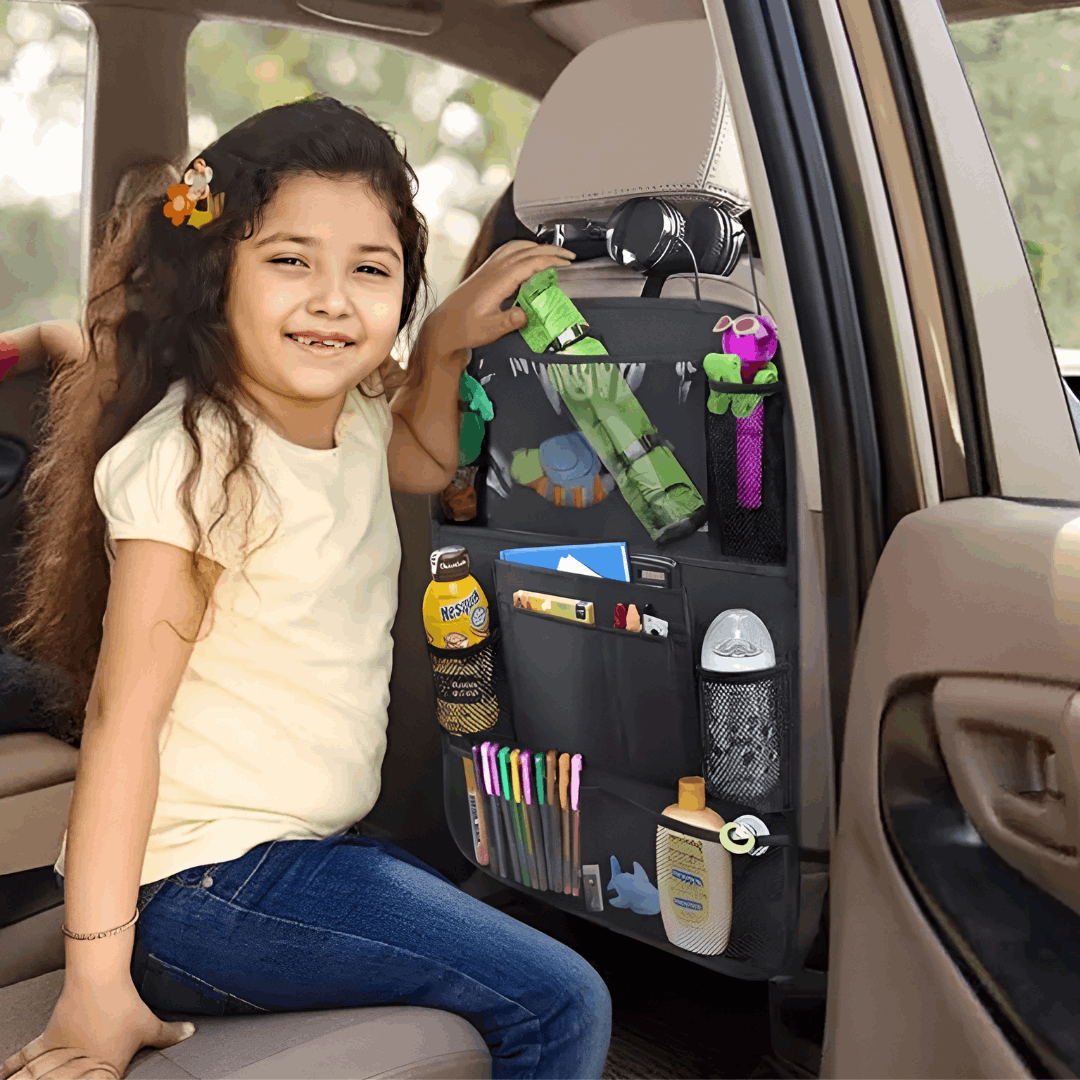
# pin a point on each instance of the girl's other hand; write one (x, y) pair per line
(30, 347)
(93, 1037)
(472, 314)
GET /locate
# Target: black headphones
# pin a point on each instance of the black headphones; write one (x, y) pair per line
(650, 235)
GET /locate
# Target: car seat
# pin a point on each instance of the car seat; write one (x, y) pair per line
(643, 111)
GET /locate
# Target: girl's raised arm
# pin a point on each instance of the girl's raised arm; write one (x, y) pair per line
(154, 604)
(29, 347)
(423, 452)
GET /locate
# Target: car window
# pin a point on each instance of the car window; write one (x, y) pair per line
(462, 133)
(1024, 72)
(43, 54)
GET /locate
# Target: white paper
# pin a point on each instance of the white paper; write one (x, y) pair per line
(575, 566)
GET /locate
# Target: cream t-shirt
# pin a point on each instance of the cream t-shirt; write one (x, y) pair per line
(278, 730)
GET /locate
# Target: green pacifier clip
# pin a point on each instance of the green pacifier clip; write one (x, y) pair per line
(727, 368)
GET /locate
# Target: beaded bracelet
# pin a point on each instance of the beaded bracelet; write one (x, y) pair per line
(102, 933)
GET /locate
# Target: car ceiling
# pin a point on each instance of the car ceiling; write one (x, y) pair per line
(522, 43)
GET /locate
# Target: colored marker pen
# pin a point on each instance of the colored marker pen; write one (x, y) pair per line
(519, 808)
(532, 813)
(483, 783)
(498, 762)
(506, 778)
(539, 763)
(575, 791)
(556, 830)
(564, 803)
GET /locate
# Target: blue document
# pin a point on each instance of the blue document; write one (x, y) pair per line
(607, 560)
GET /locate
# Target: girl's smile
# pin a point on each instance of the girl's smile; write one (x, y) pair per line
(314, 302)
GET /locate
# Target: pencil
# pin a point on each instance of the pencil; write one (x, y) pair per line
(564, 783)
(476, 813)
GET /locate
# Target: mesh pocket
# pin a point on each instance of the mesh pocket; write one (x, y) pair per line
(747, 482)
(465, 700)
(744, 729)
(759, 902)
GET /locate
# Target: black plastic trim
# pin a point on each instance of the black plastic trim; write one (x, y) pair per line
(812, 232)
(27, 893)
(1017, 947)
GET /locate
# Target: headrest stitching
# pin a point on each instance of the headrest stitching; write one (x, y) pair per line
(717, 121)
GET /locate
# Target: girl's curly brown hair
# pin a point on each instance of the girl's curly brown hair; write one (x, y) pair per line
(156, 314)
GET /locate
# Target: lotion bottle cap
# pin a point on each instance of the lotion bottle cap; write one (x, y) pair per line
(692, 793)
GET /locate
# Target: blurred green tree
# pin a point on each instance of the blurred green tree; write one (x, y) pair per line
(1024, 72)
(462, 133)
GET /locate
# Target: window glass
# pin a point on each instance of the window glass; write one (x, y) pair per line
(1024, 72)
(43, 49)
(462, 133)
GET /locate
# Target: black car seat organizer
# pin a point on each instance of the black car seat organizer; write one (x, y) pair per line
(641, 429)
(645, 405)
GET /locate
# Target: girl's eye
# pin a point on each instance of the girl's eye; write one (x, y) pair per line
(289, 260)
(374, 270)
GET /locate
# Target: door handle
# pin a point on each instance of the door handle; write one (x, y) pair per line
(1012, 749)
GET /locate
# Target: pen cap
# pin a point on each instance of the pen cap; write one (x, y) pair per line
(449, 563)
(526, 778)
(485, 762)
(692, 793)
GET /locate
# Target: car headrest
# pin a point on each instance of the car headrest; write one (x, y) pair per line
(643, 112)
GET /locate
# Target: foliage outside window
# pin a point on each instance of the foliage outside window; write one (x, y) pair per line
(1024, 72)
(462, 133)
(42, 91)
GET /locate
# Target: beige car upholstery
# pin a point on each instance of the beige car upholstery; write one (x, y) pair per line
(644, 112)
(599, 139)
(380, 1041)
(36, 776)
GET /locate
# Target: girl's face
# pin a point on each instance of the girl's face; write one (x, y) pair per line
(314, 298)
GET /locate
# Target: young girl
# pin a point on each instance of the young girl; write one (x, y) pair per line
(230, 417)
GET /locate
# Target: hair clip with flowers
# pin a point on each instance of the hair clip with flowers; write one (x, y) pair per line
(184, 198)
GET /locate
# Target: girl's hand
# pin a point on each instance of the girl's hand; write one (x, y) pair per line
(93, 1037)
(472, 314)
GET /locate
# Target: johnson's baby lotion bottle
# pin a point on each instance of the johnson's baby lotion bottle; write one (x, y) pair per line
(694, 876)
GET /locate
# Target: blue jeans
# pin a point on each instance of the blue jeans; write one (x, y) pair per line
(352, 920)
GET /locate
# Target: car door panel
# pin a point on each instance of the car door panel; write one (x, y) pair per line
(977, 598)
(1020, 952)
